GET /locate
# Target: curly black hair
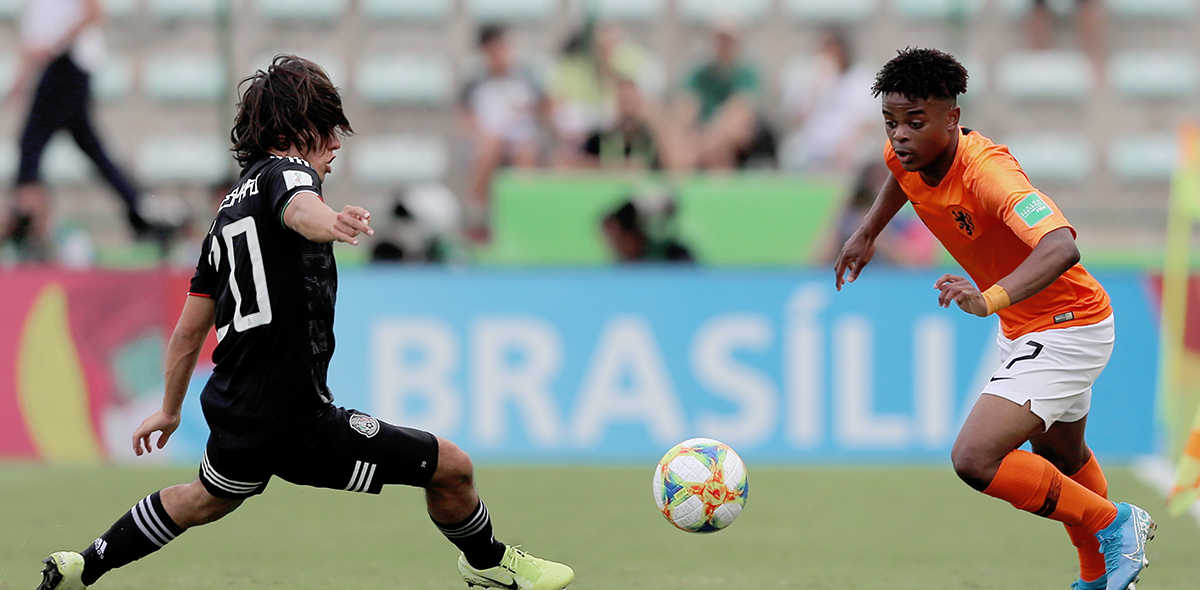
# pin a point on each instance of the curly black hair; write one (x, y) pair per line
(922, 73)
(293, 102)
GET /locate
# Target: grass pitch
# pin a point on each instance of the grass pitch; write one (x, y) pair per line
(836, 528)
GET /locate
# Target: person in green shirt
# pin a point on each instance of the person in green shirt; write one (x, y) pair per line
(719, 110)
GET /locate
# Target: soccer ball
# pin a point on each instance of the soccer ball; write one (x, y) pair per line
(700, 485)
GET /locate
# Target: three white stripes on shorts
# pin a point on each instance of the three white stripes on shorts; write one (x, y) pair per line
(149, 523)
(360, 480)
(237, 488)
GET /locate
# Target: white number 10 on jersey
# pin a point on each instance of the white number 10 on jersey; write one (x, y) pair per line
(245, 226)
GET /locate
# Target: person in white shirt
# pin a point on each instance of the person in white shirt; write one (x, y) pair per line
(61, 39)
(834, 110)
(503, 109)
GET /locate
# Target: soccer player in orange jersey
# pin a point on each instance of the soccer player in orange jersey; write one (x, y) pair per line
(1055, 319)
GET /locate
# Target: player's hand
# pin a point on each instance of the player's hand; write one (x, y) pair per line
(160, 421)
(350, 222)
(963, 292)
(856, 253)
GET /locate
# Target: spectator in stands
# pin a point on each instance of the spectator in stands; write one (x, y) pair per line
(575, 96)
(61, 43)
(1089, 20)
(585, 85)
(502, 109)
(905, 242)
(630, 141)
(639, 230)
(721, 126)
(833, 110)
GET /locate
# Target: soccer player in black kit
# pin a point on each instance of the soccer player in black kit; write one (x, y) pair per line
(267, 282)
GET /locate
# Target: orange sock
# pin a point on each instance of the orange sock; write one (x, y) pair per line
(1031, 483)
(1091, 561)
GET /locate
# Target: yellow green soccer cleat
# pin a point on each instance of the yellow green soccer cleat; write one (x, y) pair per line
(518, 571)
(63, 571)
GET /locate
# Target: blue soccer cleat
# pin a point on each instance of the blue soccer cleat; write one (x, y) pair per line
(1123, 544)
(1100, 583)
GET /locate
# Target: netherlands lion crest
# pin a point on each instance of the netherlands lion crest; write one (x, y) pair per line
(365, 425)
(963, 221)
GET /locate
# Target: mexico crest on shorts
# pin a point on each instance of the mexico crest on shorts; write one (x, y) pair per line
(964, 222)
(365, 425)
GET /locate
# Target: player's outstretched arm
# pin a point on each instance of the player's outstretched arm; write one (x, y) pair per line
(1055, 254)
(182, 353)
(860, 248)
(309, 216)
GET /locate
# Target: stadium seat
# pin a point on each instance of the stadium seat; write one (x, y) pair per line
(183, 159)
(63, 162)
(1045, 75)
(394, 160)
(321, 11)
(174, 10)
(117, 9)
(8, 161)
(705, 11)
(511, 10)
(1154, 74)
(540, 66)
(406, 10)
(796, 73)
(623, 10)
(332, 63)
(831, 11)
(652, 78)
(1063, 158)
(1175, 10)
(937, 9)
(977, 72)
(8, 71)
(1019, 9)
(183, 77)
(403, 78)
(10, 10)
(1147, 157)
(114, 79)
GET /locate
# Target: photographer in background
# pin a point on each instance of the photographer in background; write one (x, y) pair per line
(641, 229)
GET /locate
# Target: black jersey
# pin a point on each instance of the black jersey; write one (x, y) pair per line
(274, 292)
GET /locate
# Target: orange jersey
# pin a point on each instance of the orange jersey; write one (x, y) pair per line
(989, 217)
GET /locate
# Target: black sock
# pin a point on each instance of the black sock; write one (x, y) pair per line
(140, 532)
(474, 537)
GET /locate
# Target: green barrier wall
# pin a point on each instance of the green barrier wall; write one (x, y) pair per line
(739, 219)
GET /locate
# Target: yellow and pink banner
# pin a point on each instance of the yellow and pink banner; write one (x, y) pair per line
(74, 347)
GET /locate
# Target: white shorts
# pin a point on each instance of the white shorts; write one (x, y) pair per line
(1054, 369)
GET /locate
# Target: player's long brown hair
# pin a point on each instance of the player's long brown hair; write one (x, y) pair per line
(292, 103)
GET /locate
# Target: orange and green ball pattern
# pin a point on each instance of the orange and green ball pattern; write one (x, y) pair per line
(700, 485)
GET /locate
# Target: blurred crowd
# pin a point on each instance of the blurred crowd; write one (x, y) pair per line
(604, 104)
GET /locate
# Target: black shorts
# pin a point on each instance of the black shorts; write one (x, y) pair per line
(342, 450)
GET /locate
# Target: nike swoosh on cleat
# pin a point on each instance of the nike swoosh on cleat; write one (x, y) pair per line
(509, 586)
(998, 378)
